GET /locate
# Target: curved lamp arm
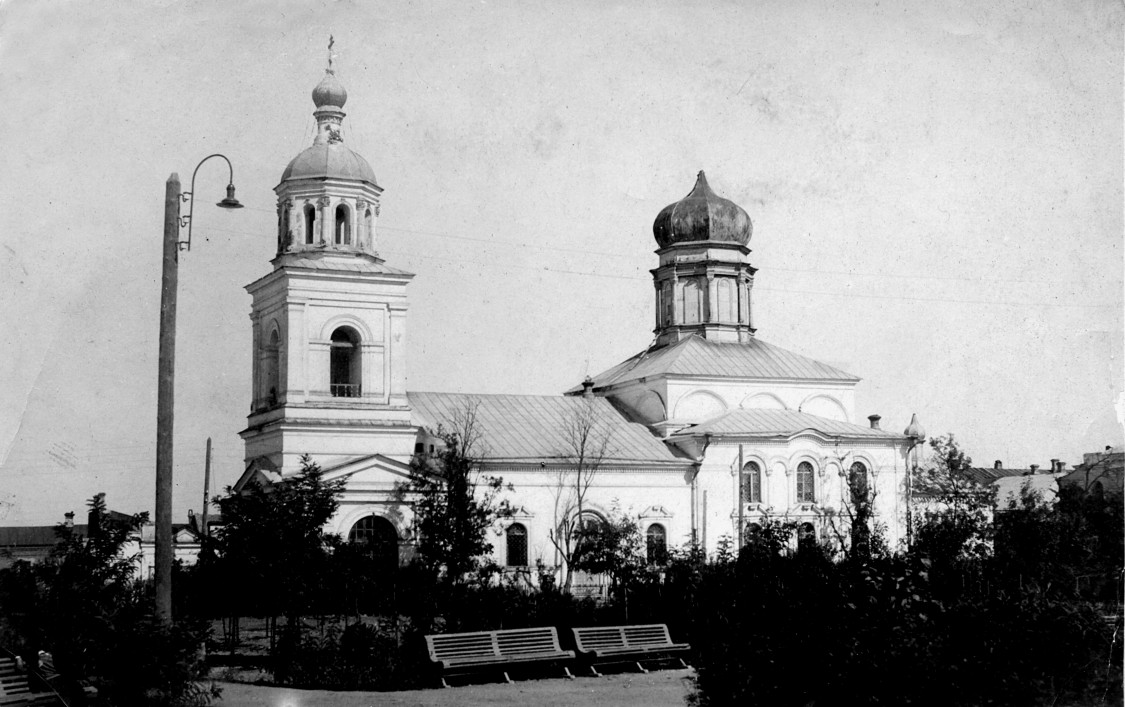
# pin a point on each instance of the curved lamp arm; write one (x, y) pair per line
(228, 203)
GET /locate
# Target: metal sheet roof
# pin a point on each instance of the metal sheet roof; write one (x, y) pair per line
(33, 535)
(696, 356)
(754, 421)
(533, 427)
(987, 475)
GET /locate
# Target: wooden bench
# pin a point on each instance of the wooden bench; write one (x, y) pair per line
(16, 690)
(627, 644)
(465, 652)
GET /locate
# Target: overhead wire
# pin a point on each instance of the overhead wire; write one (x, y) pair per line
(630, 256)
(548, 269)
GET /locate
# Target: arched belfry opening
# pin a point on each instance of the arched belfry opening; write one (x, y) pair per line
(343, 229)
(271, 384)
(345, 363)
(310, 224)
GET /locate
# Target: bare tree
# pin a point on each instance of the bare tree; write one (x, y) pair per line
(857, 509)
(588, 442)
(454, 502)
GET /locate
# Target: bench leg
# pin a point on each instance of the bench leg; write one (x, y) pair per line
(568, 673)
(641, 667)
(444, 683)
(683, 663)
(595, 671)
(506, 678)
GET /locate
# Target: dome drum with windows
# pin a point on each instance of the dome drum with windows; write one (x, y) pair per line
(328, 199)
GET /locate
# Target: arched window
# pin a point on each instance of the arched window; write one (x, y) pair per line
(751, 483)
(806, 492)
(656, 544)
(1097, 490)
(378, 537)
(516, 537)
(693, 301)
(343, 226)
(310, 224)
(857, 482)
(669, 302)
(727, 311)
(283, 229)
(806, 536)
(345, 363)
(272, 384)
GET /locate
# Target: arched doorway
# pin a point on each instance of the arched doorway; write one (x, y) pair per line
(378, 537)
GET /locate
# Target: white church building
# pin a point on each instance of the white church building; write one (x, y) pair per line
(708, 431)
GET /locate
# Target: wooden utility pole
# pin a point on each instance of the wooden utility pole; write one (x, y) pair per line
(165, 403)
(741, 500)
(206, 490)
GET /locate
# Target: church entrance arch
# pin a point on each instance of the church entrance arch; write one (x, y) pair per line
(379, 539)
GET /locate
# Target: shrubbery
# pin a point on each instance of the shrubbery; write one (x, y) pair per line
(85, 608)
(974, 613)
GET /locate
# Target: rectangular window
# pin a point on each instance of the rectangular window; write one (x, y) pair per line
(516, 536)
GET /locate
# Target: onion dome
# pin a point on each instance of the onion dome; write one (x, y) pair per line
(330, 92)
(702, 216)
(915, 430)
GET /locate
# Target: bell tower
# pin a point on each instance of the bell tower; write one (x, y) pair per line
(329, 321)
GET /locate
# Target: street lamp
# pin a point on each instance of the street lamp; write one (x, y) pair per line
(165, 391)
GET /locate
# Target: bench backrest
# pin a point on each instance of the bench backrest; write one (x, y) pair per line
(14, 687)
(461, 645)
(512, 642)
(528, 641)
(649, 635)
(597, 637)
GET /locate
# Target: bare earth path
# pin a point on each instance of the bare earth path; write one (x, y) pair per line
(657, 689)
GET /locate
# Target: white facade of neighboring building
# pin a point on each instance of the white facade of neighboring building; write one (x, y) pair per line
(707, 410)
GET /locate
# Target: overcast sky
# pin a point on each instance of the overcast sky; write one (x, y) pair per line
(936, 191)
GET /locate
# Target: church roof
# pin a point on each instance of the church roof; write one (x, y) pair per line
(696, 356)
(523, 428)
(754, 421)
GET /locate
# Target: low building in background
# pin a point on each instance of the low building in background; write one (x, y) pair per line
(34, 543)
(1099, 472)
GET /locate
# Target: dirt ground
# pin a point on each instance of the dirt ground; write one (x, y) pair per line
(656, 689)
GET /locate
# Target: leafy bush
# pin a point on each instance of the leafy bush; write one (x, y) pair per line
(84, 607)
(951, 622)
(360, 657)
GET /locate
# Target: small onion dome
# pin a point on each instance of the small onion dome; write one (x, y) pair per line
(329, 160)
(914, 430)
(702, 215)
(329, 92)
